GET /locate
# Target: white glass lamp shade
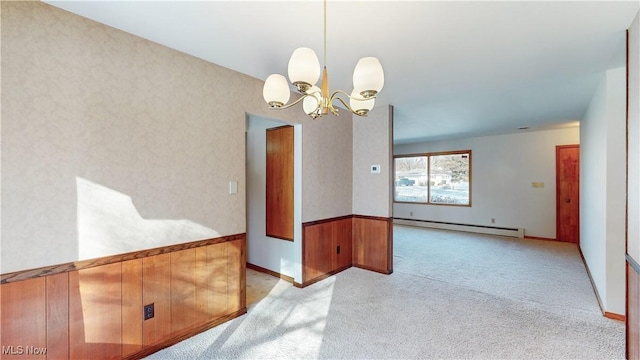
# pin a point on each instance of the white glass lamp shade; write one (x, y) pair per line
(368, 76)
(360, 107)
(311, 103)
(276, 90)
(304, 67)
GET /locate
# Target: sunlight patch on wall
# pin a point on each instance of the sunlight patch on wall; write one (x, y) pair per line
(110, 224)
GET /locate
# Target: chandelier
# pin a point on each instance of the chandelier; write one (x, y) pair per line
(304, 72)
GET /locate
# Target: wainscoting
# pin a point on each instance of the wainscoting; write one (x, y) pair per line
(373, 243)
(94, 309)
(326, 248)
(333, 245)
(633, 309)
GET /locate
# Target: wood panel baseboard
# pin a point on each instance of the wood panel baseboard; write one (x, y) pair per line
(614, 316)
(270, 272)
(541, 238)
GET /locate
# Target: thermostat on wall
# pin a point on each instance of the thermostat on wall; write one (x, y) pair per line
(375, 169)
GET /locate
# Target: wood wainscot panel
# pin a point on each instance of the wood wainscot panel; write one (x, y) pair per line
(317, 257)
(326, 248)
(183, 290)
(236, 263)
(342, 243)
(156, 290)
(633, 309)
(219, 258)
(373, 243)
(23, 320)
(95, 312)
(57, 316)
(131, 307)
(206, 283)
(94, 308)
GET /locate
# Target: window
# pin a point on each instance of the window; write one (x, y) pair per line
(434, 178)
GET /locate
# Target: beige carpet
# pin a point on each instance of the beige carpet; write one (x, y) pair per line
(452, 295)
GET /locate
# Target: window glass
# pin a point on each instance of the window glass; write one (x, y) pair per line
(411, 179)
(449, 179)
(438, 178)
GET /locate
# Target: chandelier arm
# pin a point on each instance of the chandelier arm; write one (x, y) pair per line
(292, 104)
(335, 93)
(343, 102)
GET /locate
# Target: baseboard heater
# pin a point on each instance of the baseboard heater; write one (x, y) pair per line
(492, 230)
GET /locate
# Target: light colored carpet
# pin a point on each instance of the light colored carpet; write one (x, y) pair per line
(452, 295)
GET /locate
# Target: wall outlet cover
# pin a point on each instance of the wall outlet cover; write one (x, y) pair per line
(148, 312)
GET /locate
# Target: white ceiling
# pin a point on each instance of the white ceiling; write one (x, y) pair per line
(452, 68)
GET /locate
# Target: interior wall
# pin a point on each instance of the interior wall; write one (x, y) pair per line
(503, 169)
(633, 189)
(602, 191)
(327, 162)
(372, 145)
(162, 130)
(283, 257)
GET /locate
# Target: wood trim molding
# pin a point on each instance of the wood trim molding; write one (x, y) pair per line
(605, 313)
(385, 272)
(378, 218)
(270, 272)
(86, 264)
(541, 238)
(614, 316)
(322, 221)
(593, 284)
(322, 277)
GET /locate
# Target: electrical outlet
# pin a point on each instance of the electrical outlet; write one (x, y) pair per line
(338, 249)
(411, 213)
(493, 221)
(148, 311)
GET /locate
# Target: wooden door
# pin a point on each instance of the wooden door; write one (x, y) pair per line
(568, 193)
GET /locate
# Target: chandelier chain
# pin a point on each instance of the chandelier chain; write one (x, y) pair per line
(325, 35)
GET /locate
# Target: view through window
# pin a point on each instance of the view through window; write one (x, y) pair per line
(435, 178)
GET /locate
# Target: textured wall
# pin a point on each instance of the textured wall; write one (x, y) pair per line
(326, 165)
(372, 145)
(82, 100)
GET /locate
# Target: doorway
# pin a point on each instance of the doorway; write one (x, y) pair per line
(568, 193)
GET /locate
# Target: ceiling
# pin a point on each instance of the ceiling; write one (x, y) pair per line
(452, 68)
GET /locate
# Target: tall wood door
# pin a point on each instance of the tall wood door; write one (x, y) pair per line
(568, 193)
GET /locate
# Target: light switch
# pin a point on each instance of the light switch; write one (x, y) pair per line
(375, 169)
(233, 187)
